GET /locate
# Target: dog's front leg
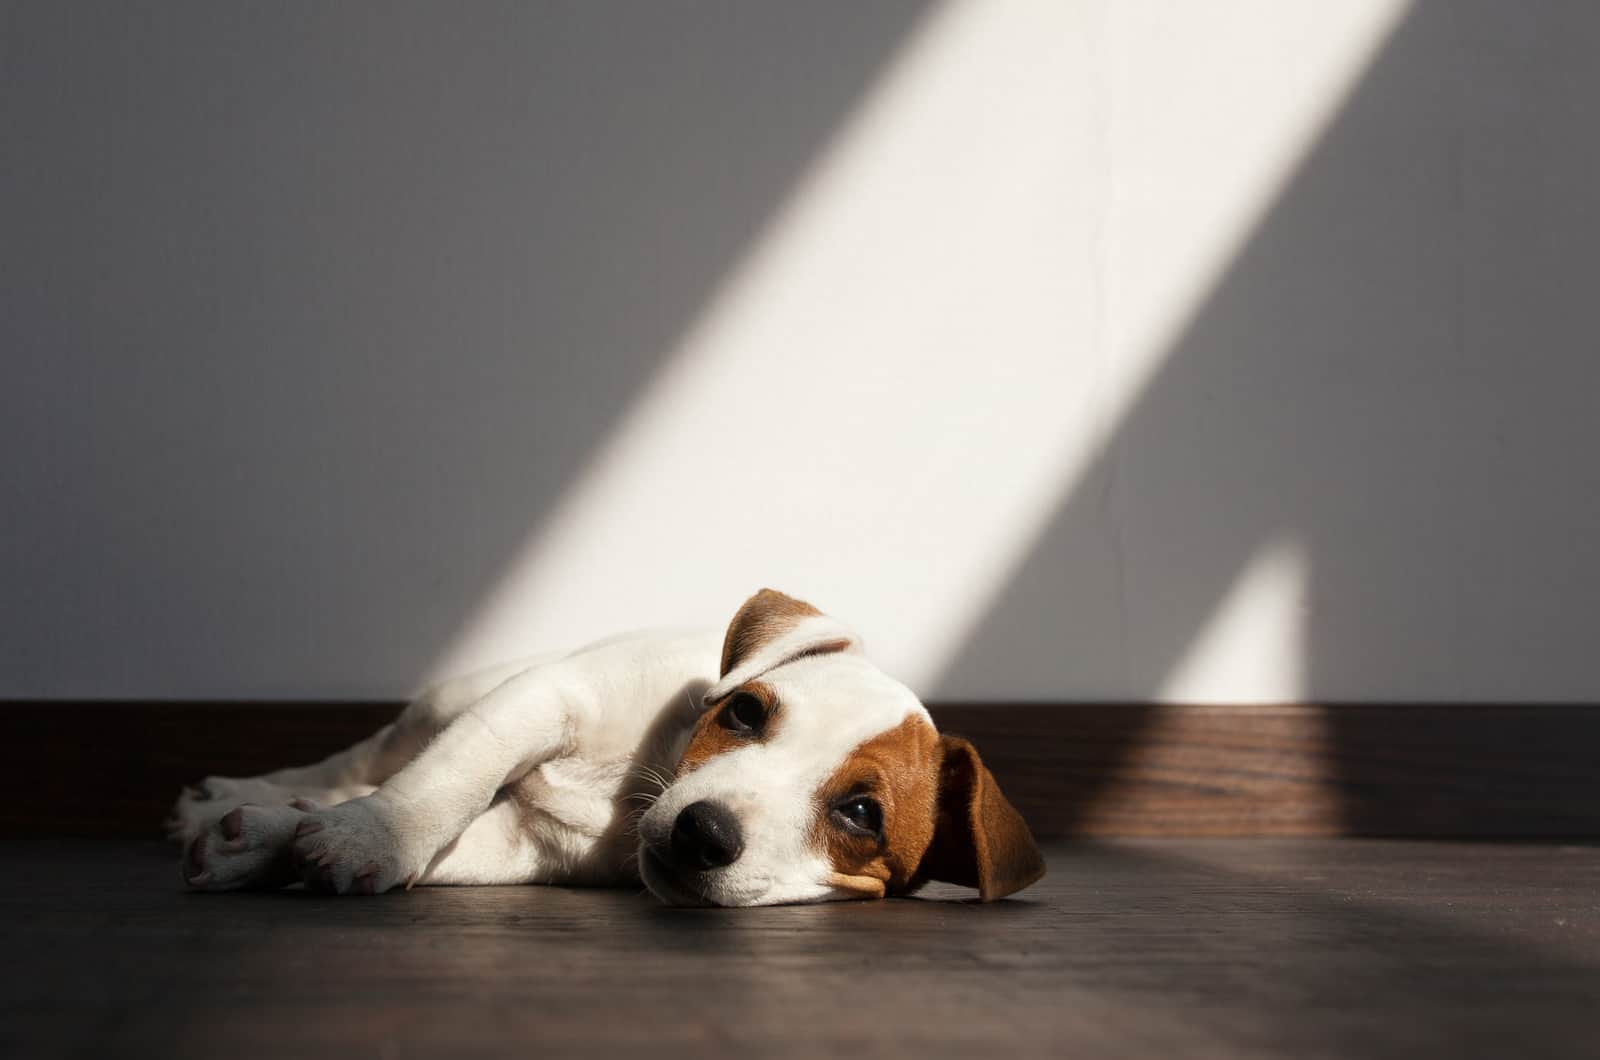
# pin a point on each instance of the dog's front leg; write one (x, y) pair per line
(370, 844)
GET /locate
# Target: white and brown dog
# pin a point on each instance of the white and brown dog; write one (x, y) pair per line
(803, 773)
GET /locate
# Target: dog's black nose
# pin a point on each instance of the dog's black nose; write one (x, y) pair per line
(706, 836)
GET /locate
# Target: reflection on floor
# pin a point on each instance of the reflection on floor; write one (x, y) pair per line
(1194, 948)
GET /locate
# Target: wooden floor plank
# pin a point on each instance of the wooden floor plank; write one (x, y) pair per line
(1309, 948)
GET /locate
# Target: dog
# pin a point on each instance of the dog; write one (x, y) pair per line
(772, 764)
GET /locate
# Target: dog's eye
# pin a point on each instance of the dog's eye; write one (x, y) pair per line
(861, 814)
(744, 714)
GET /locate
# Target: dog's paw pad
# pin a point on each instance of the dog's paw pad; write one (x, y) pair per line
(232, 823)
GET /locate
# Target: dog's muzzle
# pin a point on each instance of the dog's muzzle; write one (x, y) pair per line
(705, 836)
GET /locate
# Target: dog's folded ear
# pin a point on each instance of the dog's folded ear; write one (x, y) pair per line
(980, 840)
(772, 629)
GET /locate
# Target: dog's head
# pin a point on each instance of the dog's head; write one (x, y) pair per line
(812, 775)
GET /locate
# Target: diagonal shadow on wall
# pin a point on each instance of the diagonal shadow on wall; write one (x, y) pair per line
(312, 312)
(1395, 377)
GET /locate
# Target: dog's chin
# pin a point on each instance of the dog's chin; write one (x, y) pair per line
(663, 882)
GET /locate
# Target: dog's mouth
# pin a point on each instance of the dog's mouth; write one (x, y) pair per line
(666, 882)
(675, 886)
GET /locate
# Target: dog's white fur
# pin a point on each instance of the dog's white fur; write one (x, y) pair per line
(562, 769)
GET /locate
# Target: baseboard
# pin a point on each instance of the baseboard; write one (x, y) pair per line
(1447, 770)
(1074, 769)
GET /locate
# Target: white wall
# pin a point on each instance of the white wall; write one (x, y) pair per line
(1240, 351)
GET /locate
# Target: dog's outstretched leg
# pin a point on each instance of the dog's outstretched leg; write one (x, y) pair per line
(247, 847)
(347, 774)
(496, 848)
(391, 837)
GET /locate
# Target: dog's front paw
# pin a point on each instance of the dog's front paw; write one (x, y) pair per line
(363, 846)
(201, 805)
(198, 807)
(246, 847)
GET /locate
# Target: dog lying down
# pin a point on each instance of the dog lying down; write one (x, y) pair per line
(786, 768)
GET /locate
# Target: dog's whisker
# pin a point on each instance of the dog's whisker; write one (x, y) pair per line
(651, 775)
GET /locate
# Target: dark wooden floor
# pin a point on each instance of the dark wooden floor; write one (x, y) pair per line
(1347, 948)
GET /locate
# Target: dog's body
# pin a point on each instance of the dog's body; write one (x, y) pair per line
(769, 764)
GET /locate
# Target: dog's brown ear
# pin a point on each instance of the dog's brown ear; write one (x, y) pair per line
(980, 839)
(763, 618)
(771, 629)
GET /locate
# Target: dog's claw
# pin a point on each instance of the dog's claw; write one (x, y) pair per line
(232, 823)
(366, 880)
(304, 805)
(198, 793)
(194, 860)
(307, 827)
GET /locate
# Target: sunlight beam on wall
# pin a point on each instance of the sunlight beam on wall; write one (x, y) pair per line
(1253, 647)
(888, 398)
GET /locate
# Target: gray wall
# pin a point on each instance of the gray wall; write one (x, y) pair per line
(311, 312)
(311, 309)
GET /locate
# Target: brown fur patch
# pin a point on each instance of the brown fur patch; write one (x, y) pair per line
(711, 737)
(900, 769)
(765, 615)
